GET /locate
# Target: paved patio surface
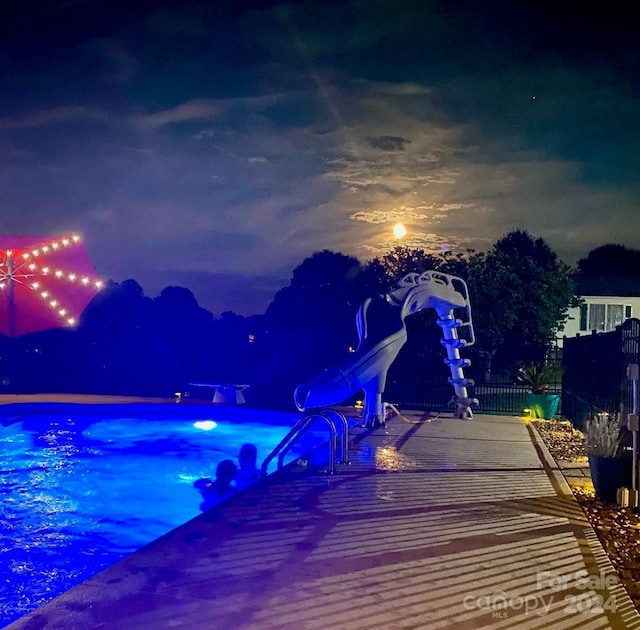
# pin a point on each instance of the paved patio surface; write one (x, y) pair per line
(439, 523)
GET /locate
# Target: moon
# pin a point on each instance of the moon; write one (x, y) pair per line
(399, 230)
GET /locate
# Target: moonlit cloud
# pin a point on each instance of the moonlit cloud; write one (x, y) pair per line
(388, 143)
(431, 243)
(391, 215)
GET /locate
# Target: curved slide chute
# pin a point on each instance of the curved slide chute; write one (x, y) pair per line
(382, 333)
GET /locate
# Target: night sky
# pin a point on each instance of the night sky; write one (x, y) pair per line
(216, 145)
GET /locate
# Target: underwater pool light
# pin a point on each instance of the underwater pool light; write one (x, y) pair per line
(205, 425)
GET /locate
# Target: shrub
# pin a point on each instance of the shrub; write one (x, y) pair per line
(603, 435)
(540, 376)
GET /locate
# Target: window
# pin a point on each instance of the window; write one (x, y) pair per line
(614, 316)
(596, 317)
(603, 317)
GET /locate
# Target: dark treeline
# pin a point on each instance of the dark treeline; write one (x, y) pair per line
(130, 344)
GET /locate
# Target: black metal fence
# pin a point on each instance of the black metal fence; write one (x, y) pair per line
(595, 372)
(501, 395)
(595, 380)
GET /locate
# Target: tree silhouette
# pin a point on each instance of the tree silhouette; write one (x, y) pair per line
(310, 324)
(124, 352)
(609, 270)
(611, 260)
(520, 297)
(187, 331)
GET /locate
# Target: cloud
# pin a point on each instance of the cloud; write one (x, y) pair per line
(123, 66)
(405, 88)
(430, 242)
(386, 216)
(195, 110)
(55, 115)
(388, 143)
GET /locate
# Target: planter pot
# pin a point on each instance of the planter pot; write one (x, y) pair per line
(608, 474)
(543, 405)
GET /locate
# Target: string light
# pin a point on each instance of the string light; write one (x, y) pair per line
(17, 272)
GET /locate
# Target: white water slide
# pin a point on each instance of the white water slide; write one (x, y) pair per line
(382, 333)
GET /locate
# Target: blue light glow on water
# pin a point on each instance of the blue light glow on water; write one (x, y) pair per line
(81, 492)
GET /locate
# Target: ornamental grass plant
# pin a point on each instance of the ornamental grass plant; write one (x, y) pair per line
(603, 435)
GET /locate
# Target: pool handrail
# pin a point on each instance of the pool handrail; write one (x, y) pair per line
(300, 428)
(344, 435)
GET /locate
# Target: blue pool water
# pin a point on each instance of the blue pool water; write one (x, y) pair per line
(82, 487)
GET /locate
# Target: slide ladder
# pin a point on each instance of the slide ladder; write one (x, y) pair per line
(333, 419)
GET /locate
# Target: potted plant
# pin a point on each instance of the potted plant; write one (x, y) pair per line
(610, 468)
(539, 377)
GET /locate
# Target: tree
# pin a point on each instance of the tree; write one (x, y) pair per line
(234, 346)
(609, 270)
(611, 260)
(423, 353)
(519, 291)
(186, 329)
(322, 298)
(311, 323)
(124, 353)
(397, 263)
(520, 296)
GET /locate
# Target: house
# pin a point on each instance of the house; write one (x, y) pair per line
(607, 302)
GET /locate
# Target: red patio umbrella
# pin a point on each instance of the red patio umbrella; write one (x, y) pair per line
(44, 283)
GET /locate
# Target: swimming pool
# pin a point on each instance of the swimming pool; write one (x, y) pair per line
(82, 486)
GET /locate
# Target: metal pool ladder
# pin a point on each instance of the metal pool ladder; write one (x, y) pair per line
(331, 417)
